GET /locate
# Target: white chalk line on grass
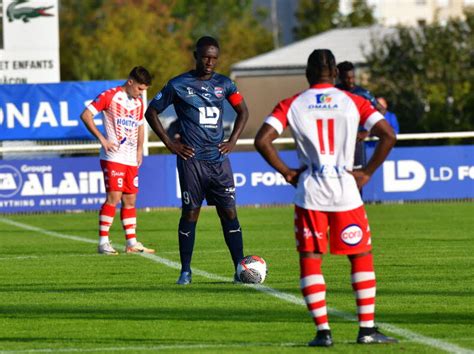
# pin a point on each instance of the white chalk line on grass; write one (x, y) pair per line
(155, 347)
(411, 336)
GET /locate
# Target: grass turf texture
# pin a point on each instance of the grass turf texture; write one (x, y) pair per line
(59, 295)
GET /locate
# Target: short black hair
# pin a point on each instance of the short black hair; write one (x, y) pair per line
(320, 62)
(207, 41)
(141, 75)
(345, 66)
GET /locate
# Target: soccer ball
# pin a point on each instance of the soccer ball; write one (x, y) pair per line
(252, 270)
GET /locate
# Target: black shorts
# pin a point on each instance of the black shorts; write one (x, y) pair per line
(201, 179)
(359, 157)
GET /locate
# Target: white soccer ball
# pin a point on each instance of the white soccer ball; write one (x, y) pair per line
(252, 270)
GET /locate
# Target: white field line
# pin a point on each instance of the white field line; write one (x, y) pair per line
(411, 336)
(154, 348)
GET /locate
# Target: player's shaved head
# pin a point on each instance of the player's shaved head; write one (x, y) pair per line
(206, 41)
(321, 66)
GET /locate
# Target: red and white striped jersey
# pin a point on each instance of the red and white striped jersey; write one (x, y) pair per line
(122, 117)
(324, 122)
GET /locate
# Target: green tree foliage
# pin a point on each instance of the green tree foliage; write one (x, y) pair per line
(315, 16)
(104, 39)
(232, 23)
(427, 75)
(116, 35)
(361, 15)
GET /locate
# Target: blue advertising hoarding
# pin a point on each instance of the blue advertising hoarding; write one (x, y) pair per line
(48, 111)
(418, 173)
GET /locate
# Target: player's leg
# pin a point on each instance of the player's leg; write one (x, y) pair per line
(232, 233)
(186, 238)
(128, 216)
(128, 212)
(350, 235)
(191, 179)
(106, 219)
(113, 187)
(311, 241)
(220, 191)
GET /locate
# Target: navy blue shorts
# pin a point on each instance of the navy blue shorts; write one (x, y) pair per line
(201, 179)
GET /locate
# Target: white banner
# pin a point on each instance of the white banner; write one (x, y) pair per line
(29, 43)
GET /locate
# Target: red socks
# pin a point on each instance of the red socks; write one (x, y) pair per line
(363, 283)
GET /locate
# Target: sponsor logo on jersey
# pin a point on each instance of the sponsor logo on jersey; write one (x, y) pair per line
(129, 122)
(323, 101)
(352, 235)
(219, 92)
(205, 88)
(158, 96)
(190, 91)
(328, 171)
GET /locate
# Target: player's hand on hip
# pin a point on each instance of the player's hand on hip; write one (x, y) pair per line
(226, 147)
(110, 146)
(361, 177)
(293, 175)
(182, 150)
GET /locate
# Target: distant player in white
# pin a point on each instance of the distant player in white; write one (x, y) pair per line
(121, 154)
(324, 122)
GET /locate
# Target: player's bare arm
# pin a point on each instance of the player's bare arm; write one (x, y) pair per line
(264, 145)
(387, 140)
(175, 146)
(242, 117)
(88, 119)
(140, 141)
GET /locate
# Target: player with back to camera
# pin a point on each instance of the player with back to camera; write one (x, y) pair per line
(324, 122)
(120, 155)
(202, 154)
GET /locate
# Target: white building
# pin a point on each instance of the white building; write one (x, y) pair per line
(417, 12)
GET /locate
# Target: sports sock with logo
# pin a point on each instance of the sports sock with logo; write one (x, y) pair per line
(233, 239)
(313, 288)
(186, 236)
(129, 223)
(364, 285)
(106, 218)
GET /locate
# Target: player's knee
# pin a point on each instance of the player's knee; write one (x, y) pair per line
(190, 215)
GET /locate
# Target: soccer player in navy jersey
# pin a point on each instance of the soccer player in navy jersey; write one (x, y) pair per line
(202, 154)
(347, 83)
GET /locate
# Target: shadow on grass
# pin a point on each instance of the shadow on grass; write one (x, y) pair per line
(156, 313)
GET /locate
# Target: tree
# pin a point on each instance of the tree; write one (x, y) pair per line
(105, 39)
(233, 23)
(361, 15)
(111, 38)
(316, 16)
(427, 75)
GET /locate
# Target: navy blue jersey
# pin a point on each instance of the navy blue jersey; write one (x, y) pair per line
(199, 105)
(360, 91)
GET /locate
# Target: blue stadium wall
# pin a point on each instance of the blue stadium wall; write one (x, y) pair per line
(409, 174)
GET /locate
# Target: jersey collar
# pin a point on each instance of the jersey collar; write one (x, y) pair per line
(322, 86)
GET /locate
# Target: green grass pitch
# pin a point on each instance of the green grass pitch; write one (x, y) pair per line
(58, 295)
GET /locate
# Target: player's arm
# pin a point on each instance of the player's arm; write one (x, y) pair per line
(140, 141)
(239, 125)
(175, 146)
(387, 140)
(88, 118)
(264, 145)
